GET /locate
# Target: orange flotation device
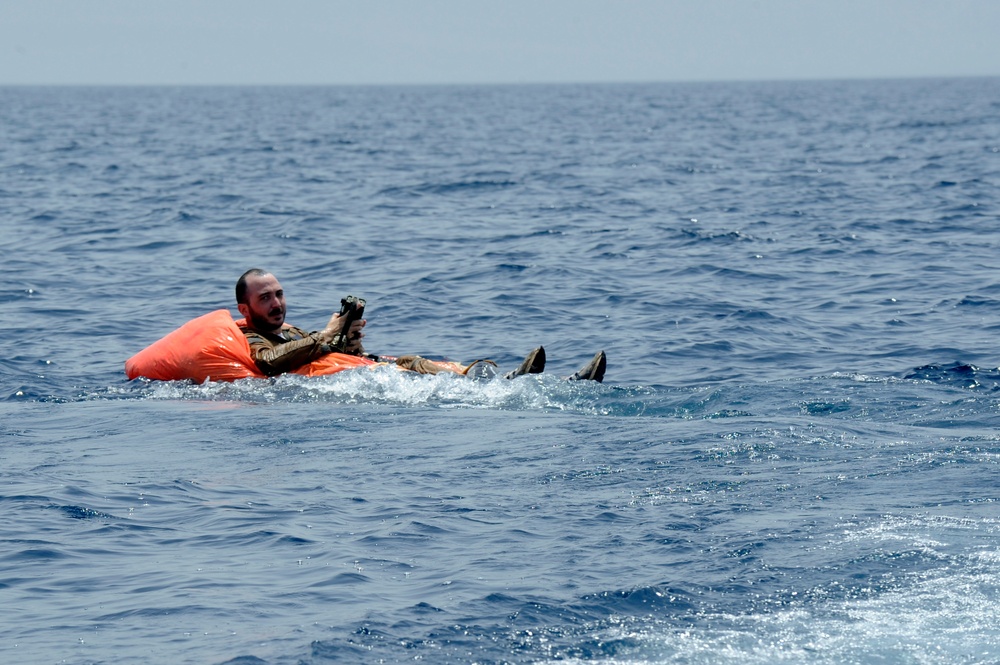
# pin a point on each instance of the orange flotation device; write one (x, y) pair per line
(213, 348)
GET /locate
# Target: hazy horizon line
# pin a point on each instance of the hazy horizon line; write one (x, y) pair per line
(441, 84)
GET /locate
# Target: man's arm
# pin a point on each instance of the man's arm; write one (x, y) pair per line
(274, 357)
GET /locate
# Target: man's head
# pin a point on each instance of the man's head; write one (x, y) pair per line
(260, 299)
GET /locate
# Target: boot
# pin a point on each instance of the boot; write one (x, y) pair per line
(592, 371)
(534, 363)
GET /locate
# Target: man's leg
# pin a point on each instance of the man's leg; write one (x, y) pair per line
(425, 366)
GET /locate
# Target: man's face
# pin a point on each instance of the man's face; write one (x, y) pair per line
(265, 306)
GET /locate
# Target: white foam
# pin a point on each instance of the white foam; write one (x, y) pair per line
(387, 385)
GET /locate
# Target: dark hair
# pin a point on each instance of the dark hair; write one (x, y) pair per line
(241, 284)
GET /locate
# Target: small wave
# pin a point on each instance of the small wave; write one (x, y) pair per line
(957, 374)
(459, 187)
(83, 513)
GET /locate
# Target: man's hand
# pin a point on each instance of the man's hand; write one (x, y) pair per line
(354, 335)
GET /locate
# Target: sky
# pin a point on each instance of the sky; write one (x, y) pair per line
(320, 42)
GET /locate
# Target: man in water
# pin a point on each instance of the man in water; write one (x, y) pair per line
(278, 347)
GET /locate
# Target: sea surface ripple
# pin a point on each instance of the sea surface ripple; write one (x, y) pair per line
(793, 457)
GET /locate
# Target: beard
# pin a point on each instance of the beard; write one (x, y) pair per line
(266, 322)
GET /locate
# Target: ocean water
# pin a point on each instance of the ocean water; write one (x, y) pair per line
(793, 459)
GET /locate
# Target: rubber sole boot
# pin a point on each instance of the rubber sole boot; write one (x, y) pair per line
(534, 363)
(592, 371)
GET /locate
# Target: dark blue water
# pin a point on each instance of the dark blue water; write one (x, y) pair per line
(794, 457)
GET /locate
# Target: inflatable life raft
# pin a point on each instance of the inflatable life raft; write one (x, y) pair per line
(213, 348)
